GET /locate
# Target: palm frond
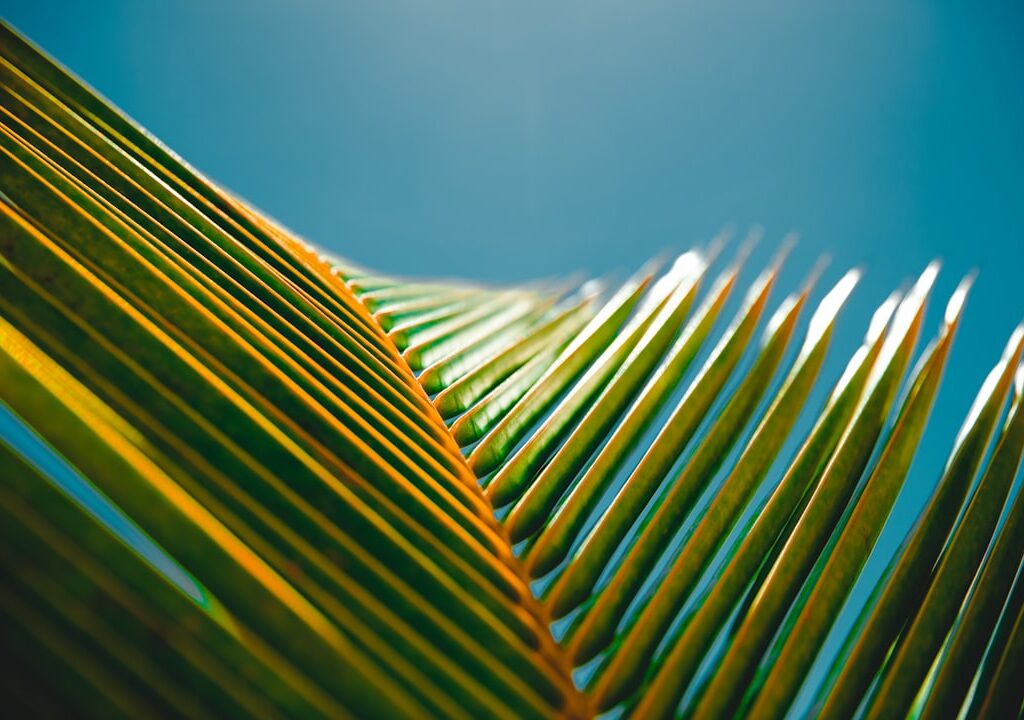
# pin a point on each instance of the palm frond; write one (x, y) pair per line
(247, 478)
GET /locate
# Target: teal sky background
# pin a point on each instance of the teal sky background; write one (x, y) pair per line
(507, 141)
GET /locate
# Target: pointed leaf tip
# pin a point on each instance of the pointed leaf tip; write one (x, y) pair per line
(830, 306)
(956, 303)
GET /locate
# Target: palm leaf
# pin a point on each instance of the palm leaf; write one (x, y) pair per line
(248, 478)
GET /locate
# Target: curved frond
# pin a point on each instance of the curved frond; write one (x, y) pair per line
(245, 477)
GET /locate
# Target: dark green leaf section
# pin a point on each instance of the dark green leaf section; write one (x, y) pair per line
(901, 589)
(861, 529)
(576, 582)
(771, 526)
(566, 523)
(920, 643)
(971, 635)
(597, 627)
(247, 478)
(823, 511)
(623, 673)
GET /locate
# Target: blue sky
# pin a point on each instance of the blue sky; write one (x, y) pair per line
(506, 141)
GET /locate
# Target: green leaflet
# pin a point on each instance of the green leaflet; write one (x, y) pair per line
(900, 589)
(573, 361)
(554, 541)
(435, 328)
(687, 650)
(445, 340)
(535, 507)
(862, 528)
(819, 517)
(948, 587)
(597, 628)
(663, 310)
(578, 579)
(503, 398)
(465, 392)
(974, 629)
(999, 693)
(623, 673)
